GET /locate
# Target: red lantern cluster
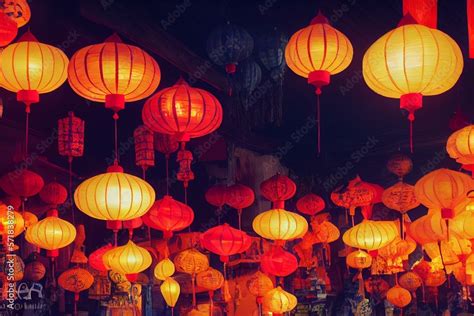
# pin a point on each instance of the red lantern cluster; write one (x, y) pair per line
(225, 241)
(8, 31)
(278, 189)
(310, 204)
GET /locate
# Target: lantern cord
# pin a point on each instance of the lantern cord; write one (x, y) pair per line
(167, 176)
(70, 191)
(172, 311)
(27, 128)
(149, 235)
(115, 238)
(193, 281)
(185, 194)
(211, 303)
(318, 117)
(143, 173)
(239, 212)
(116, 117)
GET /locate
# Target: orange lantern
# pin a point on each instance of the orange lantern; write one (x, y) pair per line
(400, 165)
(128, 259)
(410, 281)
(278, 189)
(225, 241)
(400, 197)
(375, 285)
(357, 194)
(280, 225)
(460, 147)
(9, 29)
(279, 301)
(428, 228)
(259, 284)
(23, 183)
(435, 278)
(412, 61)
(164, 269)
(53, 193)
(278, 262)
(12, 269)
(51, 233)
(316, 52)
(462, 277)
(10, 221)
(239, 197)
(17, 10)
(326, 232)
(170, 290)
(398, 296)
(463, 224)
(359, 260)
(370, 235)
(398, 248)
(29, 218)
(76, 280)
(210, 280)
(310, 204)
(35, 271)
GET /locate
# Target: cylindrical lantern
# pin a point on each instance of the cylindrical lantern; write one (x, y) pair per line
(71, 136)
(144, 151)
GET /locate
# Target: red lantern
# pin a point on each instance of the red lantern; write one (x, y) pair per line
(310, 204)
(278, 262)
(54, 194)
(96, 258)
(423, 11)
(168, 215)
(185, 159)
(278, 189)
(22, 183)
(225, 241)
(8, 31)
(144, 151)
(239, 197)
(165, 144)
(71, 136)
(132, 224)
(216, 195)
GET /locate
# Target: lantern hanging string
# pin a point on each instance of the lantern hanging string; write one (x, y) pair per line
(193, 281)
(318, 117)
(116, 117)
(167, 158)
(70, 191)
(27, 123)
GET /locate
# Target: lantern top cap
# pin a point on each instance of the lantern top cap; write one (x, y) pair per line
(115, 168)
(181, 81)
(114, 38)
(53, 213)
(320, 19)
(27, 37)
(406, 20)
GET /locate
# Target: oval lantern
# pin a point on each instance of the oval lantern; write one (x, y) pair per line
(53, 193)
(412, 61)
(279, 301)
(400, 197)
(460, 147)
(128, 259)
(278, 189)
(410, 281)
(399, 296)
(114, 196)
(280, 225)
(435, 278)
(463, 224)
(278, 262)
(168, 215)
(428, 228)
(225, 241)
(29, 218)
(76, 280)
(326, 232)
(191, 261)
(34, 271)
(211, 279)
(400, 165)
(24, 183)
(96, 258)
(114, 73)
(165, 144)
(359, 259)
(259, 284)
(170, 290)
(164, 269)
(216, 195)
(9, 30)
(370, 235)
(17, 10)
(310, 204)
(239, 197)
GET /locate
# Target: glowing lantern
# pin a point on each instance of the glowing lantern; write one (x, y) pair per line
(428, 228)
(17, 10)
(359, 260)
(400, 197)
(10, 219)
(398, 248)
(210, 279)
(9, 30)
(277, 189)
(444, 189)
(259, 284)
(34, 271)
(128, 259)
(29, 218)
(462, 277)
(239, 197)
(435, 278)
(278, 262)
(76, 280)
(410, 281)
(168, 215)
(170, 290)
(280, 225)
(326, 232)
(54, 194)
(23, 183)
(310, 204)
(370, 235)
(463, 224)
(114, 73)
(71, 136)
(424, 11)
(316, 52)
(279, 301)
(164, 269)
(357, 194)
(96, 258)
(400, 165)
(410, 62)
(144, 151)
(441, 252)
(114, 195)
(216, 195)
(399, 296)
(460, 147)
(225, 241)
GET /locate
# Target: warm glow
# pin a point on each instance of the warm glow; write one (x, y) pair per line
(359, 259)
(211, 279)
(259, 284)
(400, 197)
(399, 296)
(370, 235)
(191, 261)
(279, 301)
(18, 222)
(410, 281)
(225, 241)
(460, 146)
(128, 259)
(76, 280)
(279, 224)
(164, 269)
(170, 290)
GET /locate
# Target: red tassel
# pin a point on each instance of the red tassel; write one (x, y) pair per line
(470, 26)
(423, 11)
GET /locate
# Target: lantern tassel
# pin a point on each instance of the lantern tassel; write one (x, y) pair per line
(318, 117)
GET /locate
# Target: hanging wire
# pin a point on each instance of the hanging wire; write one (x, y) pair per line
(27, 124)
(116, 117)
(73, 215)
(167, 175)
(318, 117)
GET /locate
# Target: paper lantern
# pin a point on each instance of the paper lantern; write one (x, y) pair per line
(114, 73)
(460, 147)
(96, 258)
(359, 260)
(9, 29)
(10, 222)
(398, 248)
(326, 232)
(170, 290)
(144, 150)
(410, 281)
(29, 218)
(358, 193)
(14, 201)
(399, 296)
(400, 165)
(428, 228)
(225, 241)
(54, 194)
(280, 225)
(310, 204)
(375, 285)
(128, 259)
(435, 250)
(17, 10)
(191, 261)
(463, 224)
(31, 68)
(400, 197)
(435, 278)
(370, 235)
(279, 301)
(182, 111)
(259, 284)
(278, 189)
(216, 195)
(444, 189)
(423, 11)
(76, 280)
(165, 144)
(247, 79)
(462, 277)
(211, 279)
(23, 183)
(412, 61)
(239, 197)
(278, 262)
(168, 215)
(35, 271)
(71, 136)
(51, 233)
(114, 195)
(164, 269)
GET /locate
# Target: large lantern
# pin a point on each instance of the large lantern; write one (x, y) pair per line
(225, 241)
(128, 259)
(114, 195)
(279, 301)
(428, 228)
(310, 204)
(280, 225)
(278, 262)
(23, 183)
(170, 290)
(277, 189)
(370, 235)
(412, 61)
(316, 52)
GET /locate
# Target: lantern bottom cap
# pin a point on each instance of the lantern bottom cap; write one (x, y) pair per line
(319, 78)
(411, 102)
(27, 97)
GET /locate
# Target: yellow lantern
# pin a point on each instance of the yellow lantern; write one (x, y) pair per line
(460, 147)
(428, 228)
(259, 284)
(114, 195)
(463, 224)
(400, 197)
(279, 225)
(51, 233)
(164, 269)
(191, 261)
(359, 260)
(15, 223)
(399, 296)
(370, 235)
(128, 259)
(441, 252)
(279, 301)
(170, 290)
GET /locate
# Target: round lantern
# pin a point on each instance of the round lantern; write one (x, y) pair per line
(191, 261)
(114, 195)
(53, 193)
(444, 189)
(399, 296)
(168, 215)
(29, 218)
(14, 201)
(239, 197)
(375, 285)
(310, 204)
(170, 290)
(31, 68)
(34, 271)
(76, 280)
(51, 233)
(462, 277)
(211, 279)
(412, 61)
(428, 228)
(280, 225)
(17, 10)
(359, 260)
(96, 258)
(410, 281)
(278, 262)
(398, 248)
(460, 147)
(225, 241)
(370, 235)
(326, 232)
(400, 197)
(435, 278)
(400, 165)
(216, 195)
(114, 73)
(463, 224)
(259, 284)
(23, 183)
(182, 111)
(128, 259)
(9, 30)
(10, 221)
(164, 269)
(165, 144)
(278, 189)
(279, 301)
